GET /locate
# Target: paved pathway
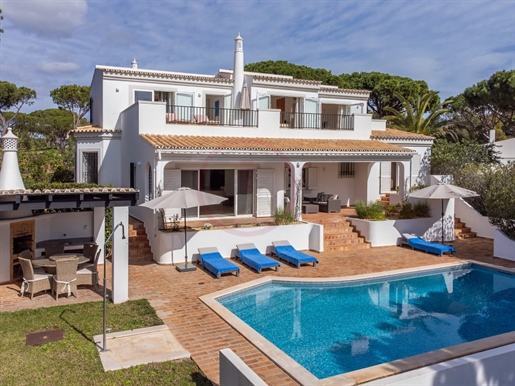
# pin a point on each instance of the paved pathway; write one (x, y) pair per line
(175, 296)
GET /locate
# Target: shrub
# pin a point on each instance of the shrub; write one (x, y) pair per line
(283, 216)
(421, 209)
(371, 211)
(392, 210)
(207, 226)
(406, 210)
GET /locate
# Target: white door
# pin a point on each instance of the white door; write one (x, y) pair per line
(225, 114)
(263, 102)
(184, 103)
(311, 116)
(386, 177)
(265, 192)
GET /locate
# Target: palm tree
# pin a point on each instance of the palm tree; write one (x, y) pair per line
(418, 116)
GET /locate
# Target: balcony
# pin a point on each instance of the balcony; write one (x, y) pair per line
(317, 121)
(210, 116)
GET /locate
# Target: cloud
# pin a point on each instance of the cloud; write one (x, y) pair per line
(58, 67)
(48, 18)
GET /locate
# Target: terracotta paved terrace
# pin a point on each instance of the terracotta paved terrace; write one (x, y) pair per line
(175, 296)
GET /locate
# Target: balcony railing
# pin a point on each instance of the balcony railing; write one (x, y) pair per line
(317, 121)
(210, 116)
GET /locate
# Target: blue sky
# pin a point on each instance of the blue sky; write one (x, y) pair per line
(449, 44)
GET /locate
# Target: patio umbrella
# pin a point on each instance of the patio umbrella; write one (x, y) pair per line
(245, 98)
(443, 191)
(184, 198)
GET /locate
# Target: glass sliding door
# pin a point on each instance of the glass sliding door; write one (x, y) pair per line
(245, 192)
(189, 179)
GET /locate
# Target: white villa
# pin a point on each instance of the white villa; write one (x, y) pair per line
(249, 137)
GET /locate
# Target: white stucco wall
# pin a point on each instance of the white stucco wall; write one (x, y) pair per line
(477, 223)
(169, 246)
(506, 150)
(491, 367)
(389, 232)
(504, 247)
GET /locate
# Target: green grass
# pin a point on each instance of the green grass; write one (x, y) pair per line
(75, 359)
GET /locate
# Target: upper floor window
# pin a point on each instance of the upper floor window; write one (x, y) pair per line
(143, 96)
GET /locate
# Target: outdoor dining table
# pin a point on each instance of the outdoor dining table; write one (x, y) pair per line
(49, 264)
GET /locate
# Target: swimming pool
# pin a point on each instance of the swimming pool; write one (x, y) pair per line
(341, 326)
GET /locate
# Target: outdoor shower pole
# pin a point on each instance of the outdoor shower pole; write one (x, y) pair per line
(104, 348)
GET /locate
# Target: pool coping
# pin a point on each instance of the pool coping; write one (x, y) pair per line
(305, 377)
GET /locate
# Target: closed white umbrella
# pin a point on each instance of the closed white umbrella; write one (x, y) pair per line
(184, 198)
(245, 98)
(443, 191)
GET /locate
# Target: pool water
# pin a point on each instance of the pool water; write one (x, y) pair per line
(334, 328)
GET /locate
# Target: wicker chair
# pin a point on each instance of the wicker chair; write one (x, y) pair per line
(33, 282)
(65, 279)
(53, 249)
(89, 251)
(27, 254)
(89, 275)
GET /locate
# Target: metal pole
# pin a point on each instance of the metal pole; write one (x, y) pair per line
(104, 325)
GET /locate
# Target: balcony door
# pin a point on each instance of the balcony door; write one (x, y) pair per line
(184, 102)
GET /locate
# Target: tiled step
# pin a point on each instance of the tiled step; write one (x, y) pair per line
(462, 231)
(139, 248)
(339, 235)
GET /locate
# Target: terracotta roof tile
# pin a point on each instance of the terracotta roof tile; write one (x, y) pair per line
(93, 129)
(398, 134)
(98, 189)
(184, 142)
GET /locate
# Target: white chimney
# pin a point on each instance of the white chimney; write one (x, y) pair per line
(10, 176)
(237, 72)
(492, 136)
(134, 64)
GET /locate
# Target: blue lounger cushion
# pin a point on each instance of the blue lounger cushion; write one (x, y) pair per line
(427, 246)
(251, 256)
(214, 262)
(291, 255)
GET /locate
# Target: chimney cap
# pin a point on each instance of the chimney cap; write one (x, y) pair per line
(9, 134)
(134, 64)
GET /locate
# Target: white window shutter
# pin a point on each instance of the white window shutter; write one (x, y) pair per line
(415, 169)
(312, 178)
(172, 181)
(386, 177)
(265, 192)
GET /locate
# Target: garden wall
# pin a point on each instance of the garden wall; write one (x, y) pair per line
(168, 247)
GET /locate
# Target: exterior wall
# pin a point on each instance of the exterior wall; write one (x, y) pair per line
(389, 232)
(506, 150)
(97, 97)
(504, 247)
(168, 247)
(233, 371)
(477, 223)
(329, 183)
(492, 367)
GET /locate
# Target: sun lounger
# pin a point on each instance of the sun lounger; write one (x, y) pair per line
(416, 242)
(214, 262)
(250, 255)
(285, 251)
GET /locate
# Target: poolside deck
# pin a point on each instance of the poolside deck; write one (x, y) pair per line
(175, 296)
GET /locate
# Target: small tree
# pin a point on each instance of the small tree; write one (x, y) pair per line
(500, 198)
(13, 97)
(73, 98)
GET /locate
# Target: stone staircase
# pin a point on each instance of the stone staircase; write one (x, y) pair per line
(339, 235)
(384, 199)
(139, 248)
(462, 231)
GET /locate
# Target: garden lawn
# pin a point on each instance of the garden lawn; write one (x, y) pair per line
(75, 359)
